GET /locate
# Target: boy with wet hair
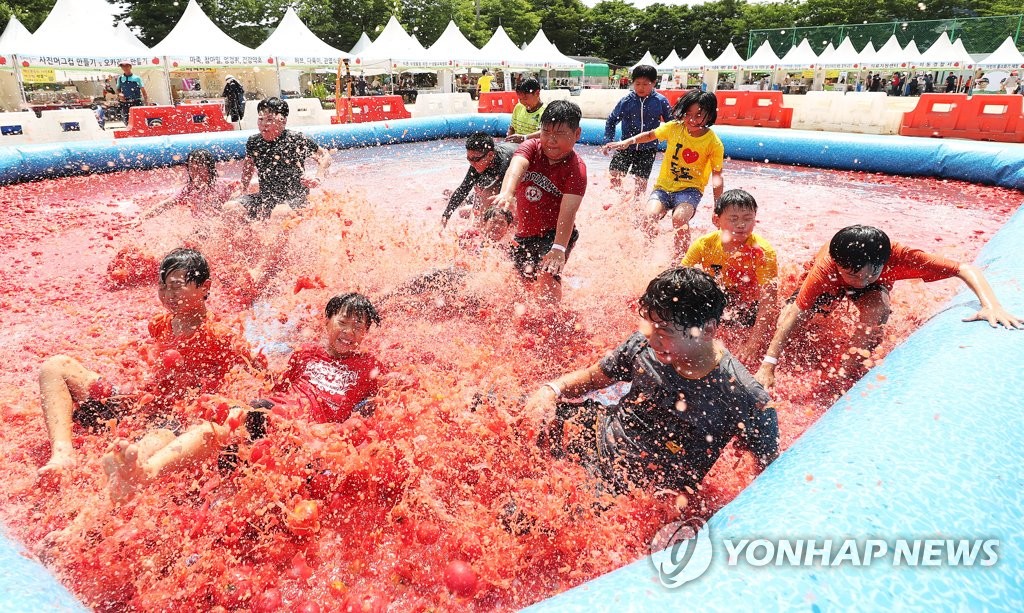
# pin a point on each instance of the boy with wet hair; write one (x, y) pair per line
(543, 189)
(641, 110)
(278, 155)
(689, 397)
(525, 122)
(324, 383)
(193, 353)
(694, 156)
(746, 267)
(488, 163)
(862, 265)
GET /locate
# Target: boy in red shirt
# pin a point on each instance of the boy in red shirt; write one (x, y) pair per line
(543, 187)
(860, 264)
(327, 382)
(194, 352)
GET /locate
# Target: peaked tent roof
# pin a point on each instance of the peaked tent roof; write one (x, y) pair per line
(763, 58)
(121, 31)
(729, 60)
(293, 44)
(501, 51)
(889, 55)
(697, 59)
(15, 36)
(946, 54)
(646, 59)
(1006, 56)
(843, 56)
(361, 44)
(395, 46)
(911, 54)
(800, 56)
(62, 33)
(545, 50)
(671, 62)
(452, 48)
(197, 41)
(867, 55)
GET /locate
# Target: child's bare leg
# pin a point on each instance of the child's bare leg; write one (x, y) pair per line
(547, 289)
(615, 178)
(874, 310)
(639, 186)
(63, 381)
(681, 217)
(649, 222)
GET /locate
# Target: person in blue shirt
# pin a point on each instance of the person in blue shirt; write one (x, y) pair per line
(130, 90)
(643, 109)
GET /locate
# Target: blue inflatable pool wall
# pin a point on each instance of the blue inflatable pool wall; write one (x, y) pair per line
(924, 447)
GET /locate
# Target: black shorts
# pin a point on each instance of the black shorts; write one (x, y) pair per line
(259, 206)
(635, 162)
(740, 314)
(94, 414)
(526, 252)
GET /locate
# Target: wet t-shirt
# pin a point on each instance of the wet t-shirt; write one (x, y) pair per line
(673, 428)
(328, 388)
(280, 164)
(487, 181)
(539, 195)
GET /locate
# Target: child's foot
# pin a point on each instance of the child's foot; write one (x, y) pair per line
(62, 459)
(123, 471)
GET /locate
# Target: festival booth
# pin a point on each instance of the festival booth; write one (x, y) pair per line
(15, 37)
(198, 55)
(796, 69)
(835, 66)
(691, 69)
(500, 52)
(945, 57)
(299, 55)
(453, 54)
(727, 65)
(392, 53)
(670, 78)
(760, 68)
(554, 61)
(361, 44)
(1000, 63)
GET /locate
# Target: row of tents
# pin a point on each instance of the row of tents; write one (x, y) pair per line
(943, 54)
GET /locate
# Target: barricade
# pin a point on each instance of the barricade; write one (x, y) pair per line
(816, 110)
(994, 117)
(18, 128)
(866, 113)
(432, 105)
(674, 95)
(301, 112)
(69, 124)
(371, 108)
(497, 102)
(170, 120)
(758, 109)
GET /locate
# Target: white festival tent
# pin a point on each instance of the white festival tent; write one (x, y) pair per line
(911, 55)
(889, 56)
(501, 51)
(762, 59)
(125, 34)
(800, 57)
(944, 54)
(198, 48)
(670, 63)
(294, 45)
(1007, 56)
(696, 60)
(361, 44)
(844, 56)
(15, 37)
(452, 51)
(543, 49)
(646, 59)
(826, 53)
(729, 60)
(867, 55)
(393, 50)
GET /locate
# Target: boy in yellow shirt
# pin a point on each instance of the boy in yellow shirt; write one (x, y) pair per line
(746, 267)
(694, 157)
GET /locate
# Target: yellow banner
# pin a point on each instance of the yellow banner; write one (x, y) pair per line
(38, 75)
(807, 74)
(832, 74)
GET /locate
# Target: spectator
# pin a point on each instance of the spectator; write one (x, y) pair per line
(234, 98)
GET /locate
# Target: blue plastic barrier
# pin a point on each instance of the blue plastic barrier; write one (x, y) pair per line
(974, 161)
(928, 451)
(924, 447)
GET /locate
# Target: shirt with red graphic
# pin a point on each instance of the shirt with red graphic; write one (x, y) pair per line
(539, 196)
(328, 388)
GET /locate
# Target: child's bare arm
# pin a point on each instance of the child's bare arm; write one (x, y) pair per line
(991, 310)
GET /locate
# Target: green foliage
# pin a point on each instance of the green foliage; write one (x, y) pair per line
(30, 13)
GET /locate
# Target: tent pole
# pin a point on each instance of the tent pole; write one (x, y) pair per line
(167, 80)
(277, 67)
(18, 77)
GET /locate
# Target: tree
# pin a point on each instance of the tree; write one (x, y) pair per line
(340, 24)
(563, 21)
(662, 26)
(30, 13)
(427, 19)
(613, 32)
(247, 21)
(517, 17)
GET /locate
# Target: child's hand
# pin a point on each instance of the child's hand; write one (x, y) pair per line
(766, 375)
(515, 138)
(553, 262)
(616, 146)
(997, 316)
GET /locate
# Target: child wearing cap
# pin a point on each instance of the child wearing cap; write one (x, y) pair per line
(526, 116)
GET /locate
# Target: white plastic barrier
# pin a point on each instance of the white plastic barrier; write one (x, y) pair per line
(301, 112)
(430, 105)
(69, 125)
(547, 95)
(597, 103)
(17, 128)
(816, 110)
(867, 113)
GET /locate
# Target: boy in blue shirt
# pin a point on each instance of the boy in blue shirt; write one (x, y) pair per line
(641, 110)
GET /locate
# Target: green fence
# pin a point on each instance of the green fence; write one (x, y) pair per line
(979, 34)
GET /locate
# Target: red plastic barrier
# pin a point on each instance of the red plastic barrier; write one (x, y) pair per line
(982, 117)
(497, 102)
(674, 95)
(371, 108)
(168, 120)
(758, 109)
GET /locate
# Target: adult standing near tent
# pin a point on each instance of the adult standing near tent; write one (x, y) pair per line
(483, 84)
(130, 90)
(234, 98)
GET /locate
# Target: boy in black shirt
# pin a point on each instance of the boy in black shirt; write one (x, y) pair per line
(689, 397)
(279, 156)
(487, 165)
